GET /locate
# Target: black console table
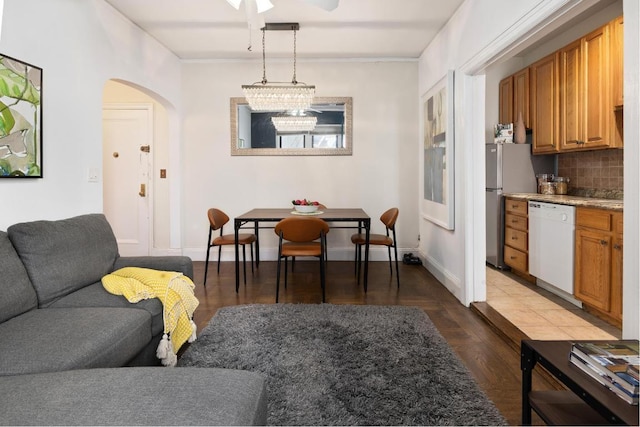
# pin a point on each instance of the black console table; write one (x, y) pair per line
(585, 403)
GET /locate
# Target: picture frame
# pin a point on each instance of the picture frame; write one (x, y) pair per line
(438, 122)
(20, 119)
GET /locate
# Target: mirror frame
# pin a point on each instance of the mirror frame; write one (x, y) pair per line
(348, 141)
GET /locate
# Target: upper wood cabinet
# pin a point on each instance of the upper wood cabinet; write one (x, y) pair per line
(505, 109)
(521, 102)
(571, 99)
(514, 98)
(617, 61)
(617, 80)
(545, 106)
(585, 108)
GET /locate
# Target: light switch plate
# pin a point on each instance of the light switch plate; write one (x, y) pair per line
(92, 174)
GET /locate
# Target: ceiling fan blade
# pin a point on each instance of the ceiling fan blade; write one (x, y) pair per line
(263, 5)
(235, 3)
(254, 19)
(327, 5)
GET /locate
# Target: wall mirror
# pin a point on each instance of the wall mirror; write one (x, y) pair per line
(254, 133)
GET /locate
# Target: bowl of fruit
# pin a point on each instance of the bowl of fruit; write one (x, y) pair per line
(305, 206)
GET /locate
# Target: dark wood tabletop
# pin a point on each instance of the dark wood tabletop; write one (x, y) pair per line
(554, 355)
(328, 214)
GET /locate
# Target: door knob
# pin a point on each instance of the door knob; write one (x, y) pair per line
(143, 190)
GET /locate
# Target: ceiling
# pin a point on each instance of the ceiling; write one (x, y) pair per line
(362, 29)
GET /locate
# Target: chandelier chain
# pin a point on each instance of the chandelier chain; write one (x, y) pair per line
(264, 67)
(294, 81)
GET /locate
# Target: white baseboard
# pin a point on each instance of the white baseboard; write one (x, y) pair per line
(165, 252)
(444, 276)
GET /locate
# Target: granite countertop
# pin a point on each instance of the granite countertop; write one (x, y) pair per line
(588, 202)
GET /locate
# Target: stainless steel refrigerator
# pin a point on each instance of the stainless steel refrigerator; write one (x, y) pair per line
(510, 168)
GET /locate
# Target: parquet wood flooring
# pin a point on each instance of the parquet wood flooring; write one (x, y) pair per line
(493, 362)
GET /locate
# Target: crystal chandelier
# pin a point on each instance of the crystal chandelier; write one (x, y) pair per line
(279, 96)
(294, 123)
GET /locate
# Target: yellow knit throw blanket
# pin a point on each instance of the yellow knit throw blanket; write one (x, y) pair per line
(173, 289)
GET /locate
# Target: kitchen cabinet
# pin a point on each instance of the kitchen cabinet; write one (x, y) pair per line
(617, 62)
(521, 100)
(505, 109)
(585, 108)
(516, 238)
(514, 98)
(617, 80)
(545, 105)
(575, 95)
(598, 262)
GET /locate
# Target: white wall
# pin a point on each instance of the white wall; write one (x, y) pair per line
(474, 26)
(80, 45)
(381, 173)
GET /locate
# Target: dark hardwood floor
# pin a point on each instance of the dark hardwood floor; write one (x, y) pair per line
(492, 361)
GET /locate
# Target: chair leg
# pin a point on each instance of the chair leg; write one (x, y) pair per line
(293, 263)
(278, 277)
(244, 263)
(390, 267)
(355, 264)
(251, 250)
(206, 265)
(219, 253)
(359, 269)
(285, 272)
(395, 249)
(322, 275)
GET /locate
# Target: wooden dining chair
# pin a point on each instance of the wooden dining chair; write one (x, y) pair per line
(301, 236)
(217, 220)
(388, 218)
(321, 207)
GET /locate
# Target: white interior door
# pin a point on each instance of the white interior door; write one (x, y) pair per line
(127, 137)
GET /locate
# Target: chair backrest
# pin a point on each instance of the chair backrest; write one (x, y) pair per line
(217, 218)
(389, 218)
(301, 229)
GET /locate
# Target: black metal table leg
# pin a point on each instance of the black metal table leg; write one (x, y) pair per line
(236, 226)
(527, 363)
(367, 228)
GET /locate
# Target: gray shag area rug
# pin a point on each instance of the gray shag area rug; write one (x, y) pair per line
(345, 365)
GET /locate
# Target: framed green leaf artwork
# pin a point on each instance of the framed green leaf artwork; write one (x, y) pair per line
(20, 119)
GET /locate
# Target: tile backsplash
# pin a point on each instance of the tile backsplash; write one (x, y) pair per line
(593, 172)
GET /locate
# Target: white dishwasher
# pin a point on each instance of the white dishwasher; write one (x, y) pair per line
(551, 247)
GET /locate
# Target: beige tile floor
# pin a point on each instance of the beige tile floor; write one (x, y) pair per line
(540, 314)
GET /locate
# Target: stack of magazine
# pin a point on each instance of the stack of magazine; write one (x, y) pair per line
(614, 364)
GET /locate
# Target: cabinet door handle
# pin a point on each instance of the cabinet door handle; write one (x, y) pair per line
(603, 242)
(619, 247)
(514, 238)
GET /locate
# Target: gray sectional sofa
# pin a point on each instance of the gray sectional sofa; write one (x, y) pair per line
(71, 353)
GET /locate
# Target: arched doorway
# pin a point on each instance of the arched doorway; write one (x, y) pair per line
(136, 189)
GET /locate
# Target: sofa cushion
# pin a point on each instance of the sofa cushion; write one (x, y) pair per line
(96, 296)
(182, 264)
(57, 339)
(16, 290)
(66, 255)
(135, 396)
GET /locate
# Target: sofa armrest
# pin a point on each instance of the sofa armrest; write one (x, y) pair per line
(182, 264)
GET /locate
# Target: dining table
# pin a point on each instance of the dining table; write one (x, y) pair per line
(259, 218)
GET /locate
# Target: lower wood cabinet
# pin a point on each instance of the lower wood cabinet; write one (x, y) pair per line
(516, 237)
(598, 262)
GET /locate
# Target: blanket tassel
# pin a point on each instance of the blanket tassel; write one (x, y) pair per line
(194, 328)
(165, 352)
(163, 347)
